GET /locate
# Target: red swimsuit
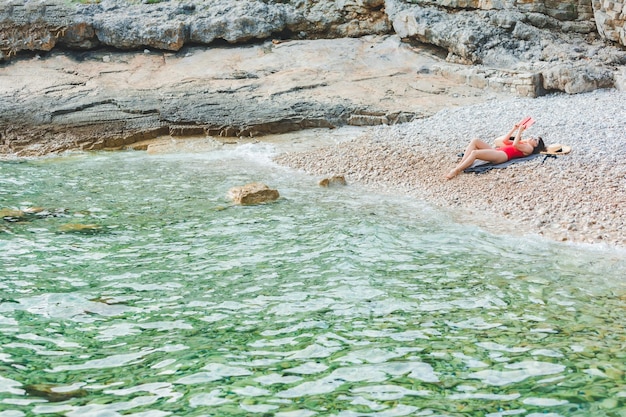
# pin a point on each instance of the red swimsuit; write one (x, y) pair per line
(511, 152)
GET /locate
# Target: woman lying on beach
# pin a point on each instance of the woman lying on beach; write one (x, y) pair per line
(506, 150)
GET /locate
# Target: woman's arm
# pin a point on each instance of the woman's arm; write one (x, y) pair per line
(508, 135)
(524, 147)
(506, 139)
(518, 137)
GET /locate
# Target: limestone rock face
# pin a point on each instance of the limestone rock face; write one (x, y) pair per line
(562, 10)
(38, 26)
(554, 40)
(607, 18)
(253, 193)
(577, 80)
(610, 19)
(503, 34)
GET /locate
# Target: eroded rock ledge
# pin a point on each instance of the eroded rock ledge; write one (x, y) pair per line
(108, 99)
(40, 25)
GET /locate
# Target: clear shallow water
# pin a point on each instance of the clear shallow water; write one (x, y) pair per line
(329, 302)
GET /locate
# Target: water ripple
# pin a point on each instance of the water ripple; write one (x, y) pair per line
(331, 302)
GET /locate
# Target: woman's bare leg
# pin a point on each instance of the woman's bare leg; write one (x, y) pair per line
(474, 145)
(489, 155)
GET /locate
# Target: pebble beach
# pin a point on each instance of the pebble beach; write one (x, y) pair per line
(579, 197)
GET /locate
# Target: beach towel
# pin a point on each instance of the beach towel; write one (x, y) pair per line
(480, 167)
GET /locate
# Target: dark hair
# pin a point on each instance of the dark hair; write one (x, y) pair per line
(540, 145)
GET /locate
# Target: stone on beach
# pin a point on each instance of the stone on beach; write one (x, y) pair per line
(253, 193)
(335, 180)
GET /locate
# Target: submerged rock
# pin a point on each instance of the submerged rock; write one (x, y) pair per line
(30, 213)
(53, 393)
(253, 193)
(34, 210)
(80, 228)
(12, 215)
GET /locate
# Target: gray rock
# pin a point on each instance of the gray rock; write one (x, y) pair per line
(127, 32)
(577, 79)
(241, 22)
(500, 34)
(611, 20)
(544, 44)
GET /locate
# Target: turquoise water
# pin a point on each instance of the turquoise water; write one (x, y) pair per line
(329, 302)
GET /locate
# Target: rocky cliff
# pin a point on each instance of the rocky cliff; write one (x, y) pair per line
(572, 46)
(40, 25)
(522, 47)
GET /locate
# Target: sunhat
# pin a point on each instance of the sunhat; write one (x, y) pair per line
(557, 149)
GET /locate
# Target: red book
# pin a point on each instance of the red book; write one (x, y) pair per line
(527, 122)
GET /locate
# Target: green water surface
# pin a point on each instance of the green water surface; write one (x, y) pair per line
(330, 302)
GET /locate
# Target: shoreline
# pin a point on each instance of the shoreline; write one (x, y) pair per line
(579, 197)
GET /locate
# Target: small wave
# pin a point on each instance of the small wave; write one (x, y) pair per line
(258, 153)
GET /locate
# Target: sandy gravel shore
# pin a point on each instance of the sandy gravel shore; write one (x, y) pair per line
(579, 197)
